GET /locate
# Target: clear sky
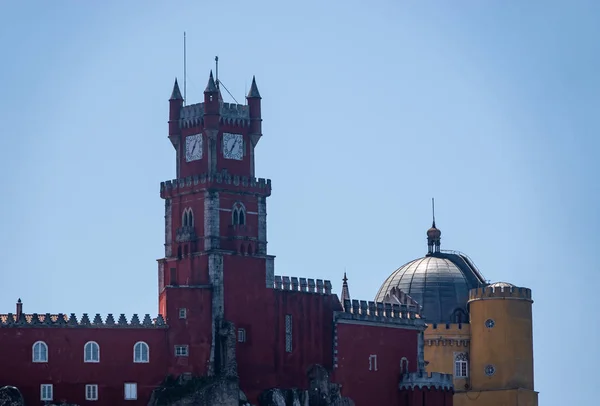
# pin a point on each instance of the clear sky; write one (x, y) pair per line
(370, 109)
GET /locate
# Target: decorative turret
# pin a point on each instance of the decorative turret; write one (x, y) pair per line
(211, 101)
(253, 99)
(433, 235)
(175, 105)
(19, 309)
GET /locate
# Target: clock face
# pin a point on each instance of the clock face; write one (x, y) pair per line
(193, 147)
(233, 146)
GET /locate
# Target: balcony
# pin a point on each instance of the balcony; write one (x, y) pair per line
(185, 233)
(240, 230)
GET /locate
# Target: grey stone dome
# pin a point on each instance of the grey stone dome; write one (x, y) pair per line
(439, 283)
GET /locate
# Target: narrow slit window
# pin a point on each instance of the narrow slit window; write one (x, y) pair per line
(288, 333)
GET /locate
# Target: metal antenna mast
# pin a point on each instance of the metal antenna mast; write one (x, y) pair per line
(217, 70)
(433, 210)
(184, 71)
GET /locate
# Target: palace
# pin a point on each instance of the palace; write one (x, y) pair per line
(436, 334)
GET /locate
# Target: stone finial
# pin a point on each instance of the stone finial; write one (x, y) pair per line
(278, 282)
(303, 284)
(35, 318)
(110, 320)
(364, 308)
(371, 308)
(327, 287)
(294, 283)
(147, 320)
(98, 320)
(320, 286)
(73, 320)
(355, 306)
(286, 283)
(160, 321)
(311, 285)
(122, 320)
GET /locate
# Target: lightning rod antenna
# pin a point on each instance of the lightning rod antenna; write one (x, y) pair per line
(433, 210)
(217, 70)
(184, 71)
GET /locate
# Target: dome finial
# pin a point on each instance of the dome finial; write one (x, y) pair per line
(433, 234)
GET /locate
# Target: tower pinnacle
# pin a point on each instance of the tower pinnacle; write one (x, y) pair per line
(253, 93)
(433, 234)
(345, 291)
(211, 87)
(176, 94)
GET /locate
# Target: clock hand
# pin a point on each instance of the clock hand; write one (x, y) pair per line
(233, 146)
(194, 147)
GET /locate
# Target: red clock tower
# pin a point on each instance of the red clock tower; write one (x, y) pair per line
(215, 225)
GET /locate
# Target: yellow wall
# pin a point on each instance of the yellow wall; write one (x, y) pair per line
(508, 346)
(512, 397)
(440, 345)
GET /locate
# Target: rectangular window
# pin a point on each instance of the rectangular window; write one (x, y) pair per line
(241, 335)
(373, 362)
(91, 392)
(46, 392)
(288, 333)
(182, 313)
(181, 351)
(173, 279)
(460, 369)
(130, 391)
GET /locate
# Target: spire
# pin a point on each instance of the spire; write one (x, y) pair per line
(211, 87)
(253, 93)
(176, 94)
(433, 234)
(345, 290)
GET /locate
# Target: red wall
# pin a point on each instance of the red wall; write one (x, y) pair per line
(356, 342)
(68, 373)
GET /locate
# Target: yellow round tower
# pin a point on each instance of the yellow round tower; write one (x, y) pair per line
(501, 353)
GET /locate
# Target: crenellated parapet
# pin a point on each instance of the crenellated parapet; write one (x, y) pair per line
(381, 312)
(306, 285)
(198, 183)
(448, 335)
(500, 291)
(231, 113)
(421, 380)
(63, 320)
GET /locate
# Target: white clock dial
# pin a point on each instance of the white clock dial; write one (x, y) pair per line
(233, 146)
(193, 147)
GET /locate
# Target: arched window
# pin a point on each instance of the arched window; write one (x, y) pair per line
(40, 352)
(91, 352)
(459, 316)
(404, 365)
(141, 352)
(238, 214)
(461, 365)
(188, 218)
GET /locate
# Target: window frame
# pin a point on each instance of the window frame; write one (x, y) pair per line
(289, 344)
(182, 313)
(92, 360)
(373, 362)
(141, 344)
(461, 365)
(33, 352)
(187, 350)
(44, 396)
(241, 335)
(130, 385)
(94, 392)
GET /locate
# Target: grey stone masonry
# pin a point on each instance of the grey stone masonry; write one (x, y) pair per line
(363, 311)
(216, 181)
(168, 222)
(434, 380)
(231, 113)
(262, 225)
(294, 284)
(62, 320)
(211, 220)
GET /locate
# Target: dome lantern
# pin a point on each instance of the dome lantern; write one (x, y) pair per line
(433, 234)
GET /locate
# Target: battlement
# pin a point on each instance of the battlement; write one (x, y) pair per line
(204, 181)
(62, 320)
(362, 310)
(231, 113)
(448, 328)
(295, 284)
(500, 291)
(420, 380)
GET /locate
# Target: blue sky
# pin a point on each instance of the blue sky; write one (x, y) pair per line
(369, 111)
